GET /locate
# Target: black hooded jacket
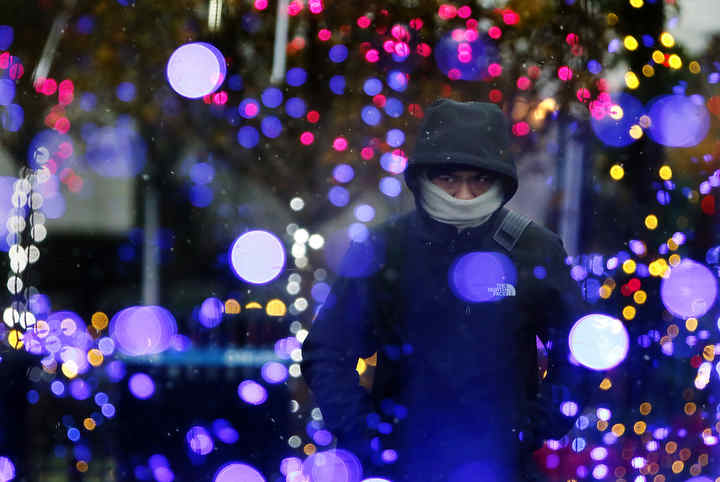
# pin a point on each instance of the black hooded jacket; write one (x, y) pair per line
(456, 394)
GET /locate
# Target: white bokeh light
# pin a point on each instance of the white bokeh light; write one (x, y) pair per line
(599, 342)
(257, 257)
(196, 69)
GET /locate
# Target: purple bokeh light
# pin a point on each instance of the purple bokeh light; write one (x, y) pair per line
(211, 312)
(343, 173)
(598, 341)
(257, 257)
(79, 389)
(332, 466)
(225, 432)
(690, 289)
(678, 121)
(196, 69)
(143, 330)
(482, 276)
(237, 471)
(7, 469)
(274, 372)
(252, 392)
(141, 386)
(390, 186)
(339, 196)
(199, 440)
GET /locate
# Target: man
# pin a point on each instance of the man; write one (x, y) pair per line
(451, 297)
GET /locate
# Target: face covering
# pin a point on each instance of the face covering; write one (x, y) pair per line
(461, 213)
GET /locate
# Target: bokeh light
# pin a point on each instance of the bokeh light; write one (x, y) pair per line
(678, 121)
(690, 289)
(332, 466)
(252, 392)
(598, 341)
(257, 257)
(143, 330)
(482, 276)
(611, 119)
(196, 69)
(199, 440)
(141, 386)
(237, 471)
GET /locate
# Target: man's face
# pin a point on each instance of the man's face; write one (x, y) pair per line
(463, 183)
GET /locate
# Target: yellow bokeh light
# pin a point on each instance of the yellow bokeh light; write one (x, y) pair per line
(674, 259)
(602, 425)
(605, 384)
(630, 42)
(99, 320)
(637, 3)
(253, 305)
(639, 427)
(629, 312)
(604, 291)
(89, 423)
(309, 449)
(671, 244)
(645, 408)
(690, 408)
(232, 307)
(678, 466)
(694, 67)
(636, 132)
(674, 61)
(618, 429)
(617, 172)
(665, 173)
(671, 447)
(612, 19)
(691, 324)
(629, 266)
(95, 357)
(70, 369)
(640, 297)
(648, 70)
(631, 80)
(361, 366)
(667, 39)
(15, 339)
(276, 307)
(81, 466)
(658, 57)
(709, 352)
(651, 221)
(616, 112)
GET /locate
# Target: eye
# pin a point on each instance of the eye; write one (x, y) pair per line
(445, 178)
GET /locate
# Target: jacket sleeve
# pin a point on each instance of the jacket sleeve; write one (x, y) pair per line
(341, 333)
(565, 381)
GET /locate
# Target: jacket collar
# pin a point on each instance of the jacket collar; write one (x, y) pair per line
(431, 230)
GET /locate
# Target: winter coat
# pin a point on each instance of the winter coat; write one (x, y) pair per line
(456, 379)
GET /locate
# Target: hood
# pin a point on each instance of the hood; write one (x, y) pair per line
(464, 134)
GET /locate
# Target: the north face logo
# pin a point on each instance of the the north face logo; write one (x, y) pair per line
(502, 290)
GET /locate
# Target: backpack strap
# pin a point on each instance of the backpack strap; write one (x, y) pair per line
(511, 228)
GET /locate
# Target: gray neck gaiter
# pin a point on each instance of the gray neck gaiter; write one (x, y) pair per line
(461, 213)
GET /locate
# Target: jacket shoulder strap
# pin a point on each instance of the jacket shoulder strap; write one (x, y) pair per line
(511, 228)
